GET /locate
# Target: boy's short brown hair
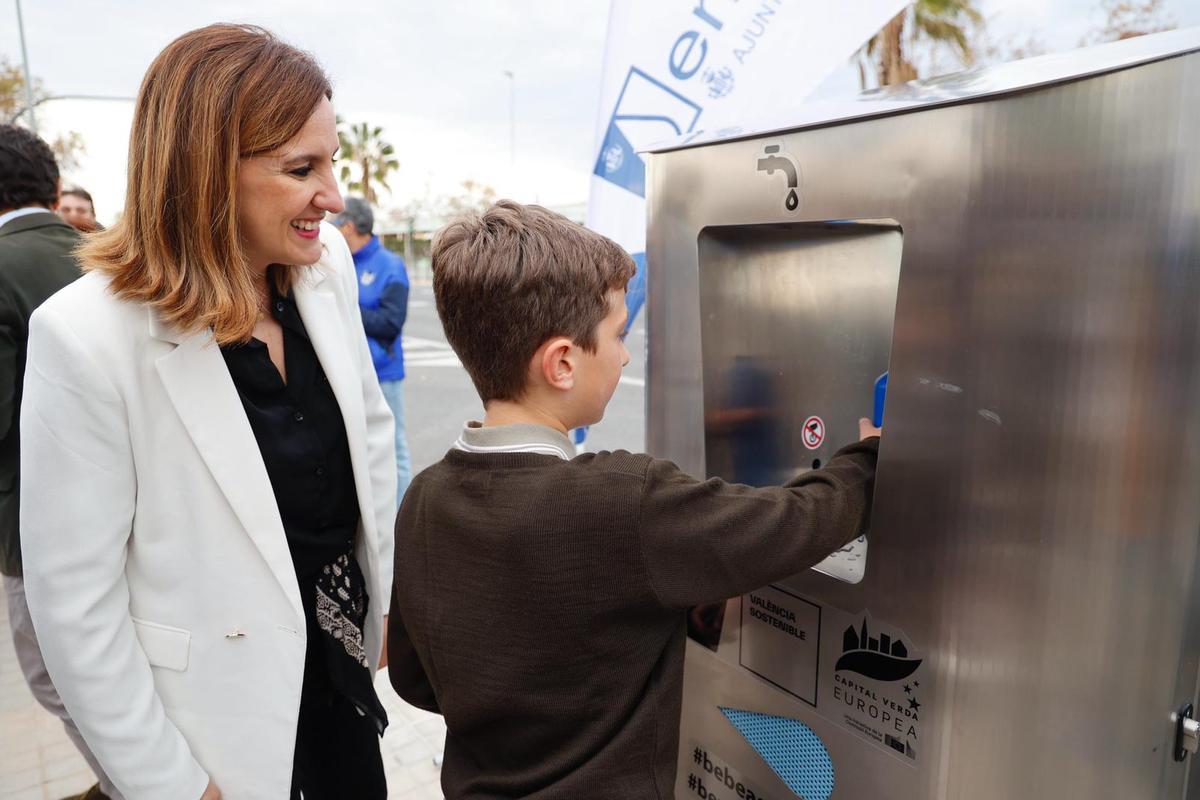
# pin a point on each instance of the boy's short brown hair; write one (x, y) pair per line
(507, 280)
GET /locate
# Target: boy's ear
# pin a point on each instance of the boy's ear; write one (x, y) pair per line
(556, 363)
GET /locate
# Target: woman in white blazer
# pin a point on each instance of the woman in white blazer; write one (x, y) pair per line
(207, 461)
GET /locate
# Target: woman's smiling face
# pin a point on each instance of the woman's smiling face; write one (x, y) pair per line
(284, 194)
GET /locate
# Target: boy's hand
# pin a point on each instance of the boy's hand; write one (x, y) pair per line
(866, 430)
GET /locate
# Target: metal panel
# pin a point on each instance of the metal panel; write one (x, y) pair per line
(792, 312)
(1036, 523)
(794, 315)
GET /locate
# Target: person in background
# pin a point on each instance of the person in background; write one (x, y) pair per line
(76, 207)
(383, 300)
(207, 473)
(35, 262)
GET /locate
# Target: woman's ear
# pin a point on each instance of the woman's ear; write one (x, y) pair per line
(556, 365)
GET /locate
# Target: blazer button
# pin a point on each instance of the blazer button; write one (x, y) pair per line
(298, 416)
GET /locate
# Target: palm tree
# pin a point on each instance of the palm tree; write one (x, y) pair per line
(363, 147)
(943, 22)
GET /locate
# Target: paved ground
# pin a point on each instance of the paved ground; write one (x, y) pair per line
(38, 762)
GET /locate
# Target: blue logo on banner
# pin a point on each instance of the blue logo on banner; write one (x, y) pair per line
(635, 292)
(791, 750)
(647, 111)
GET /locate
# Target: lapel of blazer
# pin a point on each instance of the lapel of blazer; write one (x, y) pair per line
(200, 388)
(317, 301)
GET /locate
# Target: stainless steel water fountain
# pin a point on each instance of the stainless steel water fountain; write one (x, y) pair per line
(1018, 249)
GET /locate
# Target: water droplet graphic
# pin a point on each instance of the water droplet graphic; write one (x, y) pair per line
(792, 200)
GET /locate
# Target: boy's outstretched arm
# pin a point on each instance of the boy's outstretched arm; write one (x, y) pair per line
(706, 541)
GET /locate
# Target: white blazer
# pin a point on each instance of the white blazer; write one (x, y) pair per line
(157, 571)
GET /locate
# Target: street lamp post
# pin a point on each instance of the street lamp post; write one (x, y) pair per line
(28, 74)
(30, 103)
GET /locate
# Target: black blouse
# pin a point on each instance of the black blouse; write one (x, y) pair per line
(302, 438)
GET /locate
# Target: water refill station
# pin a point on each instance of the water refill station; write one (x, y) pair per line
(1018, 250)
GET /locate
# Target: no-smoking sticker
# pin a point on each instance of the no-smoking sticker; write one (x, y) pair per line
(814, 432)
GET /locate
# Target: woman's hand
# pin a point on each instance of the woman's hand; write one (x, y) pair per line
(866, 429)
(212, 792)
(383, 652)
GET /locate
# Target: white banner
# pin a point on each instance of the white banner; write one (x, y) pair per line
(675, 66)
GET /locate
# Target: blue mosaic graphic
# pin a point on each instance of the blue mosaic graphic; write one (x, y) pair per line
(791, 750)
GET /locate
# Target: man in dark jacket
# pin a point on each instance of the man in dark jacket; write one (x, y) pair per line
(35, 262)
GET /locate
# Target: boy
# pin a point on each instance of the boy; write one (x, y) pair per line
(540, 599)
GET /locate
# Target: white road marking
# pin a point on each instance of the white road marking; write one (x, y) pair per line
(420, 352)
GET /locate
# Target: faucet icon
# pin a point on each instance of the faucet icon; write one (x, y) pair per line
(784, 164)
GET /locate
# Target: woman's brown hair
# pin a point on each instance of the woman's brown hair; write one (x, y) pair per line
(213, 96)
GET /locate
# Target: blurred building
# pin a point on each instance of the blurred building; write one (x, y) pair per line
(411, 238)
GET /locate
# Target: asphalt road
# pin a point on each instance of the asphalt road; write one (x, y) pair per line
(439, 396)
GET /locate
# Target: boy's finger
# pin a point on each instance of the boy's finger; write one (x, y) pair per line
(866, 429)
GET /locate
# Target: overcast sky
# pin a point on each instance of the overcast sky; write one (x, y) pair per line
(430, 72)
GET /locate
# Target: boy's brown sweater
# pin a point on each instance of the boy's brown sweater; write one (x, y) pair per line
(540, 605)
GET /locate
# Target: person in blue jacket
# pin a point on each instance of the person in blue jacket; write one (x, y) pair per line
(383, 299)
